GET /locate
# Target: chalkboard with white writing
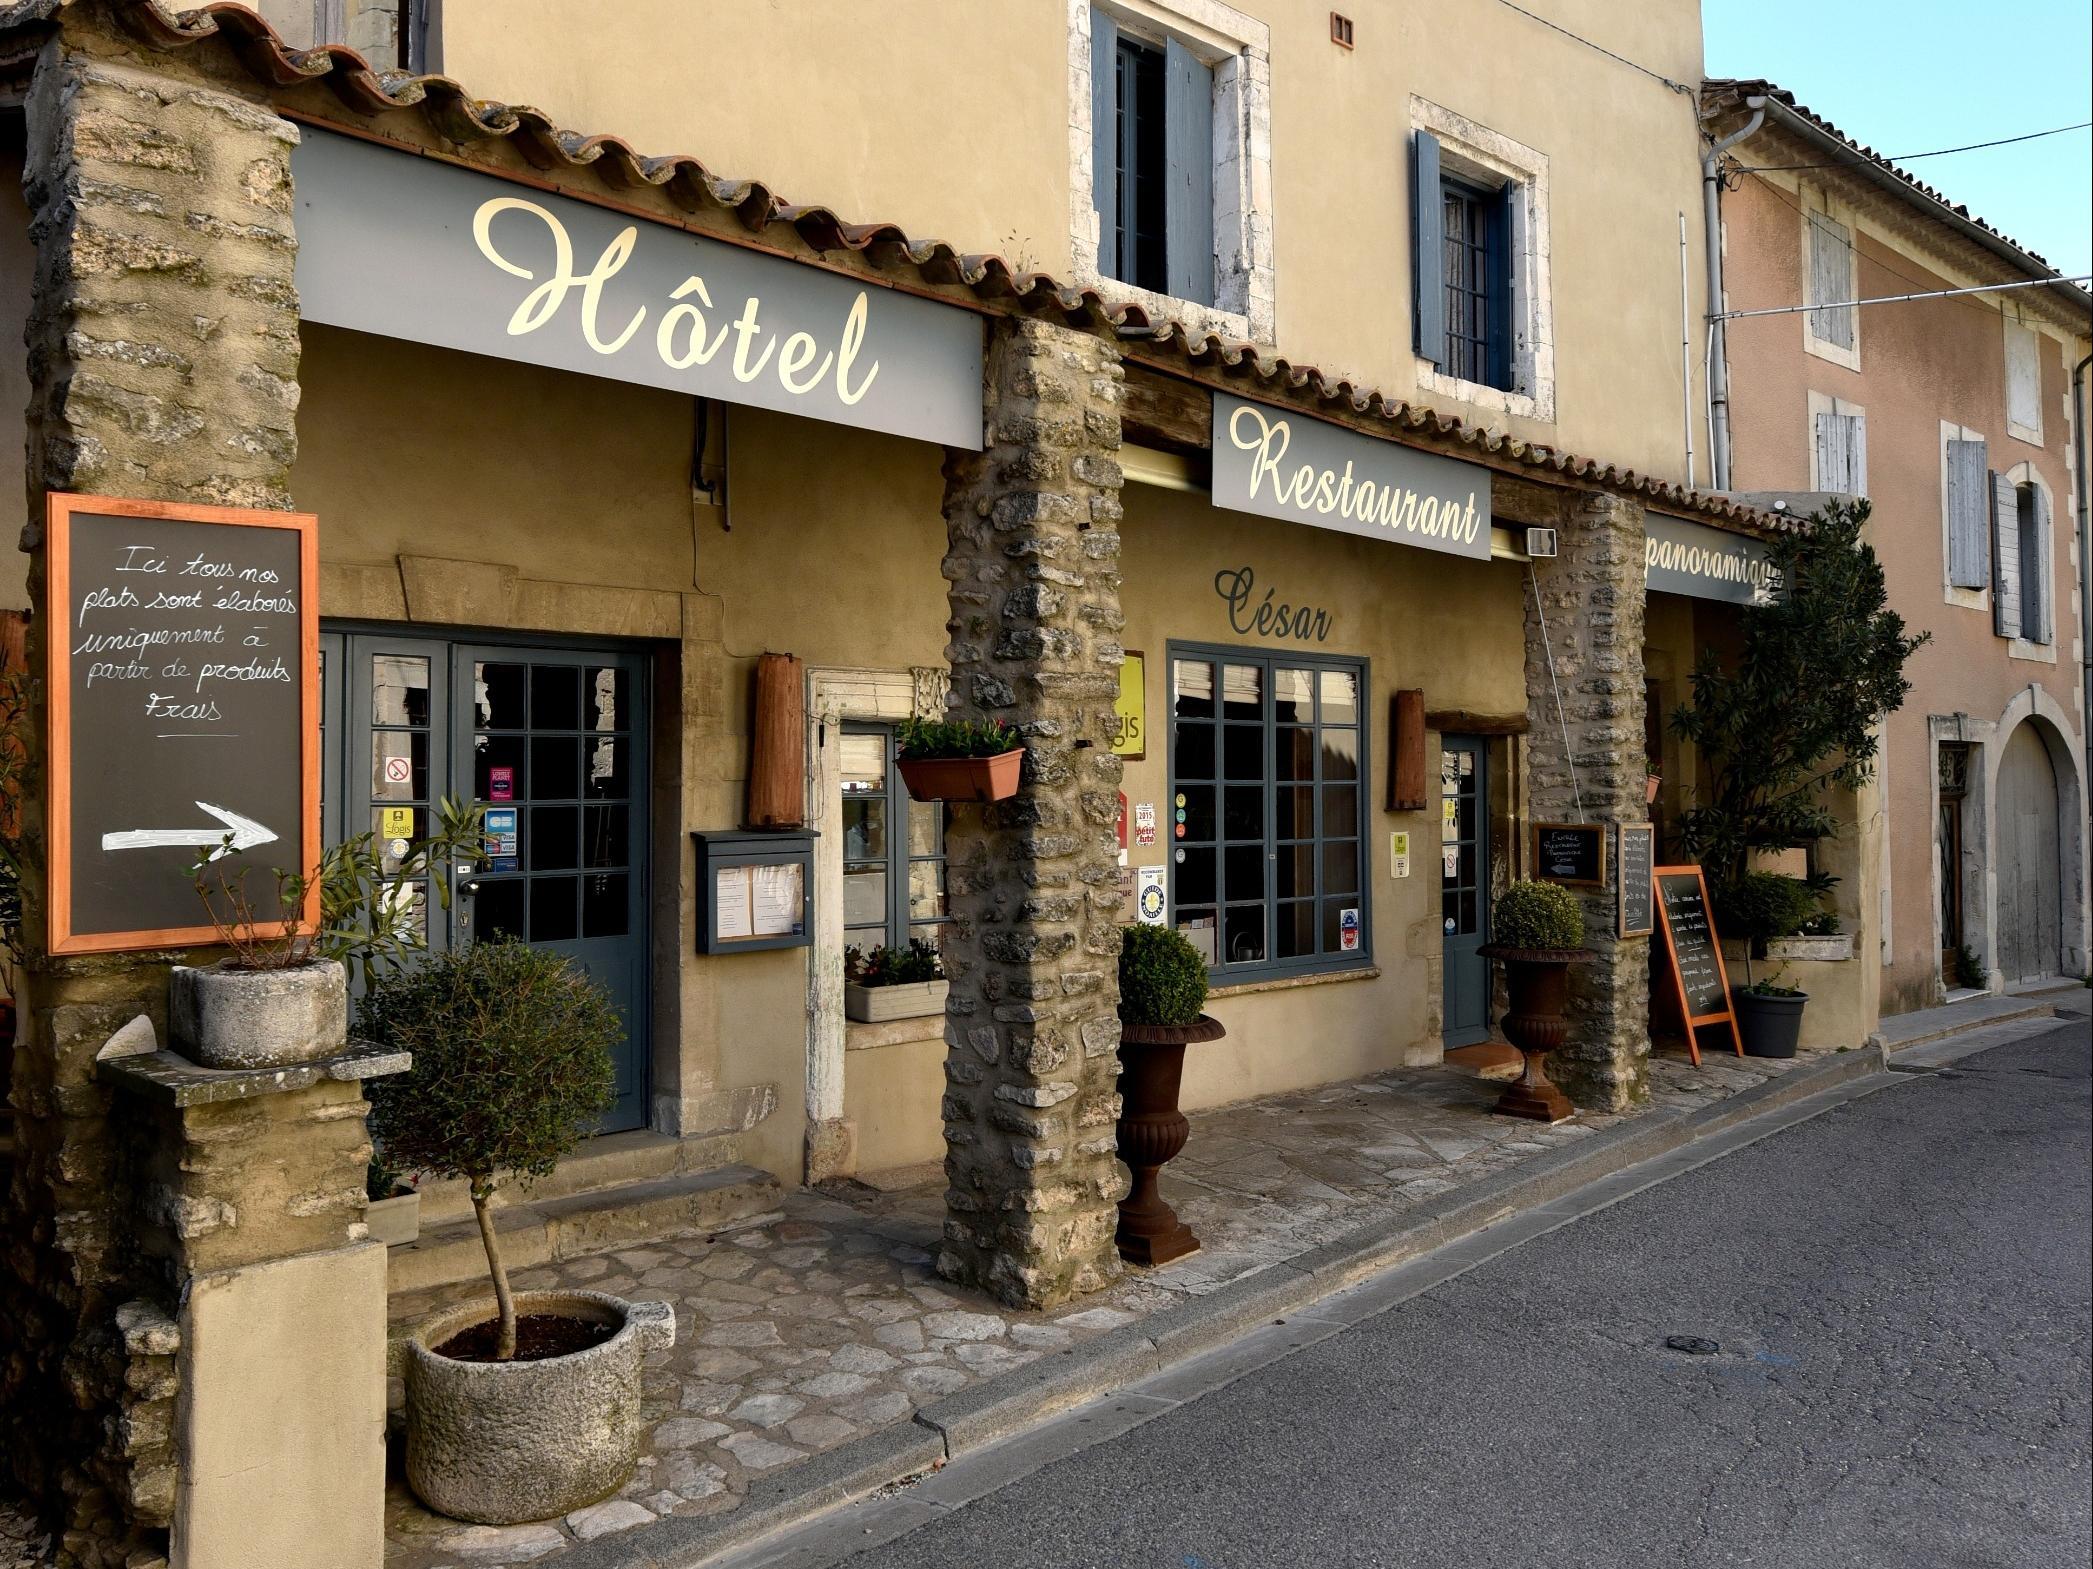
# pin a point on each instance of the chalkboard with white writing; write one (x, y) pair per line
(1637, 858)
(183, 647)
(1572, 853)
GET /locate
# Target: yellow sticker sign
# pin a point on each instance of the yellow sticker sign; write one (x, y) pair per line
(396, 822)
(1130, 709)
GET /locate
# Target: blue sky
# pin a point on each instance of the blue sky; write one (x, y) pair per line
(1914, 75)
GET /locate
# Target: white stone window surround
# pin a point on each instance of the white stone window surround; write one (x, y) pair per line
(2027, 648)
(2023, 341)
(1964, 598)
(1816, 200)
(836, 694)
(1495, 162)
(1239, 49)
(1825, 403)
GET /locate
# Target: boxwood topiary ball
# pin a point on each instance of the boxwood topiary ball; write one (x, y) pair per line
(1536, 915)
(1162, 978)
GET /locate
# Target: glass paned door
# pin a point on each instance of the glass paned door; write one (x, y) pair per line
(551, 743)
(1464, 887)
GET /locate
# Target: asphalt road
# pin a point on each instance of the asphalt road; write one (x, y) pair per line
(1902, 1294)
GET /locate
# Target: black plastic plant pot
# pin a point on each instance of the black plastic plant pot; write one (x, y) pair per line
(1769, 1026)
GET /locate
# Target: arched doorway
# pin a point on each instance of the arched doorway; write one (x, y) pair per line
(2030, 862)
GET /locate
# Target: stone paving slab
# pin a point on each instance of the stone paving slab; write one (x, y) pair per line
(1921, 1025)
(809, 1335)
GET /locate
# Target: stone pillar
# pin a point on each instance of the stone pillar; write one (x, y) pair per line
(163, 363)
(1032, 1029)
(1592, 596)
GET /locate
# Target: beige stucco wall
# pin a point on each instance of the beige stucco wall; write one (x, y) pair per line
(17, 263)
(880, 125)
(1921, 363)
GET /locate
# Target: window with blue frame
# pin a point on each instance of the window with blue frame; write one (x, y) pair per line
(1152, 136)
(1268, 790)
(1464, 271)
(893, 848)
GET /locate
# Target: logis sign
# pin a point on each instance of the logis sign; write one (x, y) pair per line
(414, 248)
(1281, 465)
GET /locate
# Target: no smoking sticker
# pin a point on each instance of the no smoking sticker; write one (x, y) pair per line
(398, 770)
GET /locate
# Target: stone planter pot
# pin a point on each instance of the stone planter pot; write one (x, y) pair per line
(1822, 950)
(221, 1017)
(499, 1443)
(877, 1004)
(395, 1220)
(963, 778)
(1538, 983)
(1152, 1132)
(1768, 1026)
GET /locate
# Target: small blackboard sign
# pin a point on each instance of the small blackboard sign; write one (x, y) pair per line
(183, 667)
(1695, 952)
(1636, 861)
(1571, 853)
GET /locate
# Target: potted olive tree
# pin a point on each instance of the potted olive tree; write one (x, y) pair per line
(529, 1405)
(1162, 990)
(281, 995)
(959, 759)
(1762, 908)
(1537, 933)
(893, 983)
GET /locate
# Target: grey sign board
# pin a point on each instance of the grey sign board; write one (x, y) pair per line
(1282, 465)
(1706, 563)
(416, 248)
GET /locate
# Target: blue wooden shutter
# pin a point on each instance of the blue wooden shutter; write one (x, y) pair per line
(1188, 155)
(2005, 557)
(2037, 572)
(1104, 139)
(1428, 249)
(1969, 508)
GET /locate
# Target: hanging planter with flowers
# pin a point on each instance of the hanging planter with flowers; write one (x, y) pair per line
(959, 759)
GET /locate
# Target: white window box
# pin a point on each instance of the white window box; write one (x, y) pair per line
(1822, 950)
(877, 1004)
(396, 1220)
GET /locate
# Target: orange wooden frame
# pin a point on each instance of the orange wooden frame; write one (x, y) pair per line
(1728, 1015)
(58, 735)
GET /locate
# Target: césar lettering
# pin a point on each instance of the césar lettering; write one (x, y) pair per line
(1301, 623)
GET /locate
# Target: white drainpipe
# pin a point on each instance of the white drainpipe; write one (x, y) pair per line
(1718, 355)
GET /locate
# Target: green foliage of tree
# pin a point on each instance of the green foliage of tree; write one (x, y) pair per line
(1162, 978)
(512, 1068)
(1792, 717)
(1536, 915)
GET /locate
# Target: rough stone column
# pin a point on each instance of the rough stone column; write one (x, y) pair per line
(163, 362)
(1032, 1028)
(1592, 593)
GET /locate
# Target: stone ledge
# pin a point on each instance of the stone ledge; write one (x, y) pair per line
(1287, 983)
(861, 1036)
(176, 1081)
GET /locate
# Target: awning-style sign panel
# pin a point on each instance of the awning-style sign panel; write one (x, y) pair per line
(414, 248)
(1281, 465)
(1706, 563)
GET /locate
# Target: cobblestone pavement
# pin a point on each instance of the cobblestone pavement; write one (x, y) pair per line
(23, 1543)
(803, 1332)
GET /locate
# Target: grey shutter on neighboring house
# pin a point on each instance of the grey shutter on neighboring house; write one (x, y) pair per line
(1839, 466)
(1831, 278)
(2005, 557)
(1428, 249)
(1969, 512)
(2037, 572)
(1104, 139)
(1188, 153)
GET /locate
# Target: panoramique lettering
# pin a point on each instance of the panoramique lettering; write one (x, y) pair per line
(1716, 565)
(1333, 493)
(686, 335)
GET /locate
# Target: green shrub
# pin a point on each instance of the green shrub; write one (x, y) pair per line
(924, 738)
(1162, 979)
(1969, 969)
(1764, 906)
(919, 961)
(1536, 915)
(512, 1069)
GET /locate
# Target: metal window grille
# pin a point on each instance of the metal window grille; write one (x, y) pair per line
(1142, 163)
(1477, 273)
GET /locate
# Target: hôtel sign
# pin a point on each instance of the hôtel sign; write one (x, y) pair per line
(414, 248)
(1281, 465)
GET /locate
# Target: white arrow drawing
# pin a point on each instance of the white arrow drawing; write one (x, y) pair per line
(246, 833)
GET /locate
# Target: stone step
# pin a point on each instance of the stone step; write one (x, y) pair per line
(544, 1230)
(613, 1160)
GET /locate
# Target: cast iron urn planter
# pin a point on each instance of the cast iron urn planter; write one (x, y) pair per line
(1152, 1132)
(1538, 980)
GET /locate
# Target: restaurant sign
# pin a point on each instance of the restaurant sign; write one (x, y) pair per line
(1300, 470)
(1706, 563)
(414, 248)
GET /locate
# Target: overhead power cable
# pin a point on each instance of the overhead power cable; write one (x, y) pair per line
(1655, 76)
(1861, 162)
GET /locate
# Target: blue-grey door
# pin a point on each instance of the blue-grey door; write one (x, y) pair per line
(552, 743)
(1464, 886)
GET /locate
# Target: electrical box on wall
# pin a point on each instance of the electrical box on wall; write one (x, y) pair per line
(755, 890)
(1540, 544)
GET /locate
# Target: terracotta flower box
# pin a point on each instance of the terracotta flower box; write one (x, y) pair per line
(910, 1000)
(963, 778)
